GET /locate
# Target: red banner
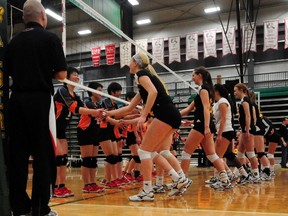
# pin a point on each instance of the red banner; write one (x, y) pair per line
(110, 54)
(95, 52)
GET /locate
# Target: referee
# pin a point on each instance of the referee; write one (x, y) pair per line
(33, 58)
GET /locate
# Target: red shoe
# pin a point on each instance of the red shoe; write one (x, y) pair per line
(139, 178)
(125, 180)
(67, 191)
(86, 189)
(103, 182)
(118, 182)
(60, 193)
(129, 177)
(111, 185)
(96, 188)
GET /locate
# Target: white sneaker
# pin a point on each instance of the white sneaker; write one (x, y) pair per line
(158, 188)
(233, 177)
(52, 213)
(179, 185)
(212, 180)
(220, 185)
(265, 177)
(255, 179)
(142, 196)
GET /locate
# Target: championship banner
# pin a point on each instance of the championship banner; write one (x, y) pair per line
(209, 40)
(271, 34)
(125, 53)
(192, 46)
(247, 32)
(286, 33)
(158, 49)
(143, 43)
(96, 54)
(110, 54)
(230, 35)
(174, 49)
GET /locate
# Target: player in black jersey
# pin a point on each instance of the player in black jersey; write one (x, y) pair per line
(201, 132)
(246, 120)
(87, 132)
(67, 103)
(259, 138)
(166, 120)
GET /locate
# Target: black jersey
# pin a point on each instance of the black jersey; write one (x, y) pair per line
(268, 126)
(162, 96)
(108, 104)
(242, 116)
(66, 105)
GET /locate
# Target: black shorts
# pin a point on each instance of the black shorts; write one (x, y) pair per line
(229, 135)
(169, 114)
(260, 129)
(61, 126)
(175, 145)
(199, 126)
(275, 138)
(251, 131)
(87, 137)
(105, 134)
(131, 139)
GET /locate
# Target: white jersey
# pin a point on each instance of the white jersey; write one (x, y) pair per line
(216, 112)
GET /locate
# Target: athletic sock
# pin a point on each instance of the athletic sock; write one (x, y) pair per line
(256, 173)
(181, 173)
(242, 171)
(216, 173)
(173, 175)
(223, 176)
(229, 172)
(159, 180)
(272, 168)
(147, 186)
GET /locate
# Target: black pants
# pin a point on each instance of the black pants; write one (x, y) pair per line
(28, 129)
(284, 155)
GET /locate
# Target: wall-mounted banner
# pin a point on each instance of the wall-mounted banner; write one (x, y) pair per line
(174, 49)
(271, 34)
(231, 40)
(247, 31)
(158, 49)
(142, 43)
(125, 54)
(286, 33)
(96, 54)
(209, 40)
(110, 54)
(192, 46)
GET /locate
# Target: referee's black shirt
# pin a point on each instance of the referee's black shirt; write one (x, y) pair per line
(32, 58)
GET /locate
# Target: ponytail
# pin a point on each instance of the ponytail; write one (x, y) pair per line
(207, 80)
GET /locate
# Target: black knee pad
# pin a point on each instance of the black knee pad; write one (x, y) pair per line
(136, 159)
(61, 160)
(86, 162)
(230, 156)
(120, 159)
(94, 162)
(261, 154)
(112, 159)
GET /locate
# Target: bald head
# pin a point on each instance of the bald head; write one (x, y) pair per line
(33, 11)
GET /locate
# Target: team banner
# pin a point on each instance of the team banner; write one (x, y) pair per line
(174, 49)
(209, 39)
(229, 39)
(192, 46)
(158, 49)
(96, 54)
(248, 41)
(286, 33)
(143, 43)
(125, 53)
(271, 34)
(110, 54)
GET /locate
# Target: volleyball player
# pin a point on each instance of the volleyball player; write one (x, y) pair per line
(246, 120)
(201, 132)
(166, 120)
(87, 132)
(67, 103)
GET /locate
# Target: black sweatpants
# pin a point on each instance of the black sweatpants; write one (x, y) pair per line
(28, 129)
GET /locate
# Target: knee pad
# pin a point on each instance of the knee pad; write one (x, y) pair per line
(136, 159)
(86, 162)
(240, 155)
(94, 162)
(261, 154)
(111, 159)
(144, 154)
(270, 156)
(61, 160)
(251, 154)
(166, 154)
(230, 156)
(119, 157)
(185, 156)
(153, 155)
(212, 158)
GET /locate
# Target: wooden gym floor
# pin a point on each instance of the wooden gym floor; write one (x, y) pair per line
(269, 198)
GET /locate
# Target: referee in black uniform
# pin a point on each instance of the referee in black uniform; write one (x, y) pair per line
(33, 58)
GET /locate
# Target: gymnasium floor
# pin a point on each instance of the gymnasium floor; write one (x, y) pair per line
(268, 198)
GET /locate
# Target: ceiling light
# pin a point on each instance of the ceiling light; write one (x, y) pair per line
(133, 2)
(84, 32)
(53, 14)
(212, 10)
(143, 21)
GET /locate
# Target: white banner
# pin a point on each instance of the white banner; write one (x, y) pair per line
(191, 46)
(125, 54)
(142, 43)
(230, 35)
(271, 34)
(286, 33)
(174, 49)
(209, 40)
(158, 49)
(247, 31)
